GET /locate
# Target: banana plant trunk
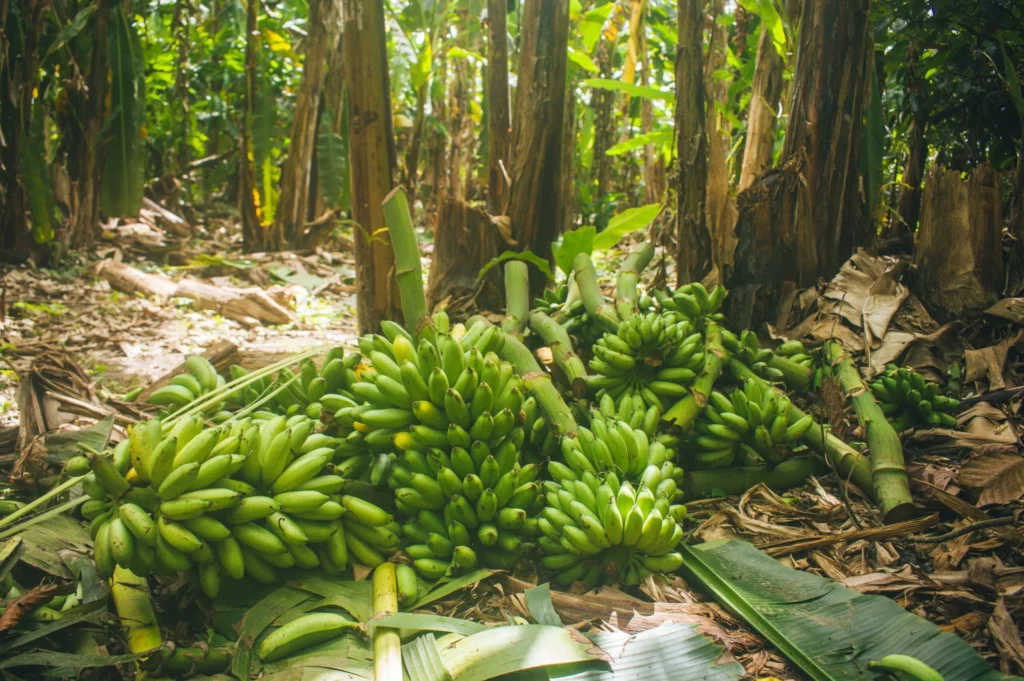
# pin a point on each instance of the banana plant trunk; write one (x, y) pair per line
(764, 102)
(498, 113)
(535, 199)
(693, 257)
(293, 205)
(371, 160)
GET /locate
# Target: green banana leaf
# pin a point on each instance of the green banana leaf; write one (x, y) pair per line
(123, 180)
(827, 630)
(671, 652)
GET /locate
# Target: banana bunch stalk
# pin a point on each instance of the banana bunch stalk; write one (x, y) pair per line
(908, 400)
(199, 378)
(239, 499)
(692, 300)
(305, 392)
(654, 356)
(748, 426)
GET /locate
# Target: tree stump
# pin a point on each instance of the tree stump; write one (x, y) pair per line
(959, 252)
(465, 239)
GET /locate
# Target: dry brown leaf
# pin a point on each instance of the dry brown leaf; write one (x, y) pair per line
(19, 608)
(981, 470)
(988, 364)
(893, 345)
(1006, 635)
(883, 300)
(1010, 309)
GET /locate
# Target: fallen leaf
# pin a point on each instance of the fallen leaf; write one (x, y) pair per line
(999, 475)
(1006, 635)
(987, 364)
(1010, 309)
(883, 300)
(21, 607)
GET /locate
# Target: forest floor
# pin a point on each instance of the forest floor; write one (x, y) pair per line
(114, 342)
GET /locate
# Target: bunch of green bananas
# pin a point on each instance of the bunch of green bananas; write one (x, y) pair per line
(199, 378)
(745, 348)
(795, 351)
(303, 392)
(653, 356)
(239, 499)
(749, 425)
(467, 507)
(692, 300)
(572, 316)
(438, 393)
(909, 400)
(541, 443)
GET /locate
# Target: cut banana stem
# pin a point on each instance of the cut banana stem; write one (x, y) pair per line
(517, 297)
(408, 268)
(889, 473)
(735, 481)
(590, 292)
(627, 284)
(683, 412)
(131, 599)
(387, 644)
(555, 337)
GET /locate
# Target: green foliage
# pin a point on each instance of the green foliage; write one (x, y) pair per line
(625, 222)
(573, 243)
(35, 179)
(123, 175)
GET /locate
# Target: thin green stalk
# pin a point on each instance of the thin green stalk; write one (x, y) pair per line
(539, 383)
(39, 501)
(408, 267)
(55, 511)
(627, 285)
(888, 471)
(250, 408)
(847, 461)
(517, 297)
(556, 338)
(683, 413)
(590, 291)
(218, 395)
(735, 481)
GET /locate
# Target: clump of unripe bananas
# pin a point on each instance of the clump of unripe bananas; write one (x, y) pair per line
(908, 400)
(745, 348)
(597, 524)
(313, 391)
(240, 499)
(52, 609)
(199, 378)
(653, 356)
(692, 300)
(748, 426)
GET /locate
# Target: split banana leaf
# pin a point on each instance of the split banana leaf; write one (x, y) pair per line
(827, 630)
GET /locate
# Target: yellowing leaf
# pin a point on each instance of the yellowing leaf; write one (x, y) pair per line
(277, 43)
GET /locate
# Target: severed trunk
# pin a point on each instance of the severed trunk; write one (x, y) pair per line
(536, 196)
(908, 205)
(466, 239)
(968, 214)
(693, 256)
(764, 102)
(800, 221)
(293, 205)
(498, 112)
(371, 160)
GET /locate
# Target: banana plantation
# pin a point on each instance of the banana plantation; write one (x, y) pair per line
(455, 340)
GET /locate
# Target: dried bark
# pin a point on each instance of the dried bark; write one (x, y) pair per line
(371, 160)
(968, 215)
(693, 256)
(466, 238)
(498, 113)
(764, 102)
(536, 194)
(293, 205)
